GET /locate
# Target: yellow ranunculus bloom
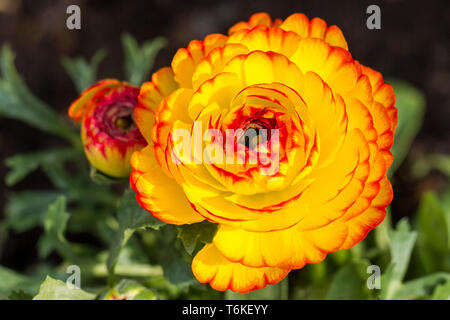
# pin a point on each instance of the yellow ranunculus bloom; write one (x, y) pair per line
(335, 121)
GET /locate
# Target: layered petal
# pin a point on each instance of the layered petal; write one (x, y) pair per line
(156, 191)
(260, 18)
(316, 28)
(186, 59)
(150, 96)
(210, 266)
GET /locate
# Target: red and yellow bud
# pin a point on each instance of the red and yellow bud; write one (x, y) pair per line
(108, 131)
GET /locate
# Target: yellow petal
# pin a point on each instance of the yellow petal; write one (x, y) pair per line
(156, 191)
(334, 65)
(186, 59)
(210, 266)
(290, 248)
(359, 226)
(267, 39)
(150, 96)
(260, 18)
(317, 28)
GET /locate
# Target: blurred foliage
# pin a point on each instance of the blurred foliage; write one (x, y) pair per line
(402, 241)
(276, 291)
(17, 102)
(130, 217)
(129, 290)
(82, 72)
(139, 60)
(433, 234)
(410, 104)
(135, 256)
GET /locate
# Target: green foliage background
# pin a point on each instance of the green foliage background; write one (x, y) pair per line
(140, 257)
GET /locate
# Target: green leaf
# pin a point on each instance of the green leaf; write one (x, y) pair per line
(381, 233)
(410, 103)
(340, 257)
(82, 72)
(424, 164)
(22, 165)
(139, 60)
(433, 237)
(55, 225)
(317, 273)
(442, 292)
(11, 280)
(402, 242)
(421, 287)
(177, 270)
(102, 178)
(130, 216)
(445, 203)
(52, 289)
(129, 290)
(169, 254)
(27, 209)
(279, 291)
(349, 283)
(119, 242)
(19, 295)
(79, 188)
(17, 102)
(191, 234)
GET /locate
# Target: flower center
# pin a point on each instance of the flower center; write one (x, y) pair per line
(117, 119)
(256, 131)
(126, 123)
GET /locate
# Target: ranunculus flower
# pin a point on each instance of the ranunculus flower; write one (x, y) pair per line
(108, 129)
(335, 121)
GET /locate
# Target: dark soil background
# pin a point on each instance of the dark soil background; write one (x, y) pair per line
(413, 45)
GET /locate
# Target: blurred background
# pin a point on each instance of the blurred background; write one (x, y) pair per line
(412, 45)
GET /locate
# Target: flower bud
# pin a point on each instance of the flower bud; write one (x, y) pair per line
(108, 130)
